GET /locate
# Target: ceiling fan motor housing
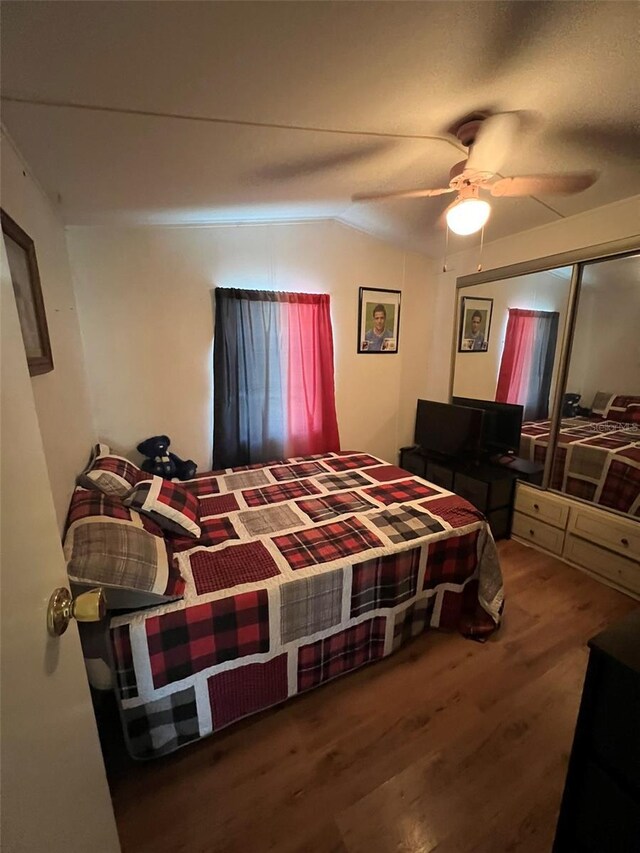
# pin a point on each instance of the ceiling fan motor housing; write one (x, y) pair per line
(466, 129)
(457, 169)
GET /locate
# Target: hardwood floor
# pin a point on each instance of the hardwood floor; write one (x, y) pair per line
(448, 746)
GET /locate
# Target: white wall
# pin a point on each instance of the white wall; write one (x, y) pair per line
(146, 313)
(611, 222)
(476, 373)
(606, 348)
(61, 397)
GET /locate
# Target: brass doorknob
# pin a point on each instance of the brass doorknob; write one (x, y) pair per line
(89, 606)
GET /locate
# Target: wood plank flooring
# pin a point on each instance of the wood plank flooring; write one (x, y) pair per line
(448, 746)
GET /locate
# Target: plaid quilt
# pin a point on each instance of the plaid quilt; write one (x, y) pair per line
(596, 460)
(305, 569)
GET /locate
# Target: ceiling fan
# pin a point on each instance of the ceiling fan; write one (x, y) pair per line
(488, 138)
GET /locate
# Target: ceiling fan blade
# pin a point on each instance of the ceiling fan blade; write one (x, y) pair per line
(572, 182)
(400, 194)
(513, 32)
(492, 144)
(604, 139)
(305, 166)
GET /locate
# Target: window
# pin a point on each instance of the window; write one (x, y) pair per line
(527, 361)
(274, 394)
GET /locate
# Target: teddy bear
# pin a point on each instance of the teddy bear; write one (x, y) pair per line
(163, 463)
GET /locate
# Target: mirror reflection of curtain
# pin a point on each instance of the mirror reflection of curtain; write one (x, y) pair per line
(273, 377)
(526, 366)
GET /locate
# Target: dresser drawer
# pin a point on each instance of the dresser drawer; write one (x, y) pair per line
(624, 573)
(413, 462)
(475, 491)
(607, 529)
(537, 532)
(440, 475)
(541, 505)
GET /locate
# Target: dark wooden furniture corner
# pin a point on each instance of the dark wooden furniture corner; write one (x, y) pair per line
(600, 808)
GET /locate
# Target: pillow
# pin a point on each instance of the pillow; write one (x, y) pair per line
(625, 409)
(601, 403)
(111, 474)
(110, 545)
(89, 503)
(169, 504)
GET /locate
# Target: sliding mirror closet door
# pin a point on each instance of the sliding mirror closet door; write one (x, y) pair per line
(508, 345)
(597, 454)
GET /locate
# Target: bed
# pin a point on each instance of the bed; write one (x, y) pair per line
(597, 456)
(302, 570)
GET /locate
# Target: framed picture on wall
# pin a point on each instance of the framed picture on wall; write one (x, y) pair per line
(378, 320)
(475, 324)
(25, 278)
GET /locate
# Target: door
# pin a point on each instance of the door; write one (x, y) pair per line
(55, 796)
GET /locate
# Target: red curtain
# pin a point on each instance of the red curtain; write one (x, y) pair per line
(312, 425)
(515, 365)
(526, 367)
(273, 389)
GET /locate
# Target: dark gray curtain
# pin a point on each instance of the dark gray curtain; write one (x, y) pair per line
(536, 406)
(248, 415)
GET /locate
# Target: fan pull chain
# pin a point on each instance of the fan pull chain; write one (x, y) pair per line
(481, 248)
(446, 249)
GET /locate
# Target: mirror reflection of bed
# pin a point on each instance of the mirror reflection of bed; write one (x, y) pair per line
(597, 455)
(578, 380)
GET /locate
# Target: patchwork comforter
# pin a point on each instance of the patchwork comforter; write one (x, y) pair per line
(596, 460)
(305, 570)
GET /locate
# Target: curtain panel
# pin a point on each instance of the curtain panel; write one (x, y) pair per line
(526, 366)
(274, 392)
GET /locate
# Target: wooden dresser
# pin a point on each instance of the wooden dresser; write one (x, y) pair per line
(600, 810)
(603, 544)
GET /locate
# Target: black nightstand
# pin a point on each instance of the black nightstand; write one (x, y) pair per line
(413, 460)
(528, 472)
(601, 803)
(490, 488)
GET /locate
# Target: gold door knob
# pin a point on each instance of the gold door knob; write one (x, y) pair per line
(88, 607)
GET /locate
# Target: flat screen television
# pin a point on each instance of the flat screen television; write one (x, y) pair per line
(501, 427)
(447, 430)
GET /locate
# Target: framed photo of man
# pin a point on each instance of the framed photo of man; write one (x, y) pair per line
(475, 324)
(23, 268)
(378, 320)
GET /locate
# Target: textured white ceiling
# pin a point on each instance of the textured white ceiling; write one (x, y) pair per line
(147, 79)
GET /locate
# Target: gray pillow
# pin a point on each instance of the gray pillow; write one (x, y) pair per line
(601, 403)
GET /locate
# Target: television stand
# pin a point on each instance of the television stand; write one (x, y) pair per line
(487, 485)
(530, 472)
(502, 459)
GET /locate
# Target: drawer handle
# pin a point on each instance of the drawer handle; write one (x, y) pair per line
(531, 532)
(625, 542)
(536, 507)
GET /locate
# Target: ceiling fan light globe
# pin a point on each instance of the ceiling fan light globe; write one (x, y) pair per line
(468, 215)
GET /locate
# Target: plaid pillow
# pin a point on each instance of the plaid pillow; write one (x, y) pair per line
(110, 474)
(624, 409)
(169, 504)
(88, 503)
(127, 555)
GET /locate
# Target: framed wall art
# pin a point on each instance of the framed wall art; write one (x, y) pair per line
(475, 324)
(25, 278)
(378, 320)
